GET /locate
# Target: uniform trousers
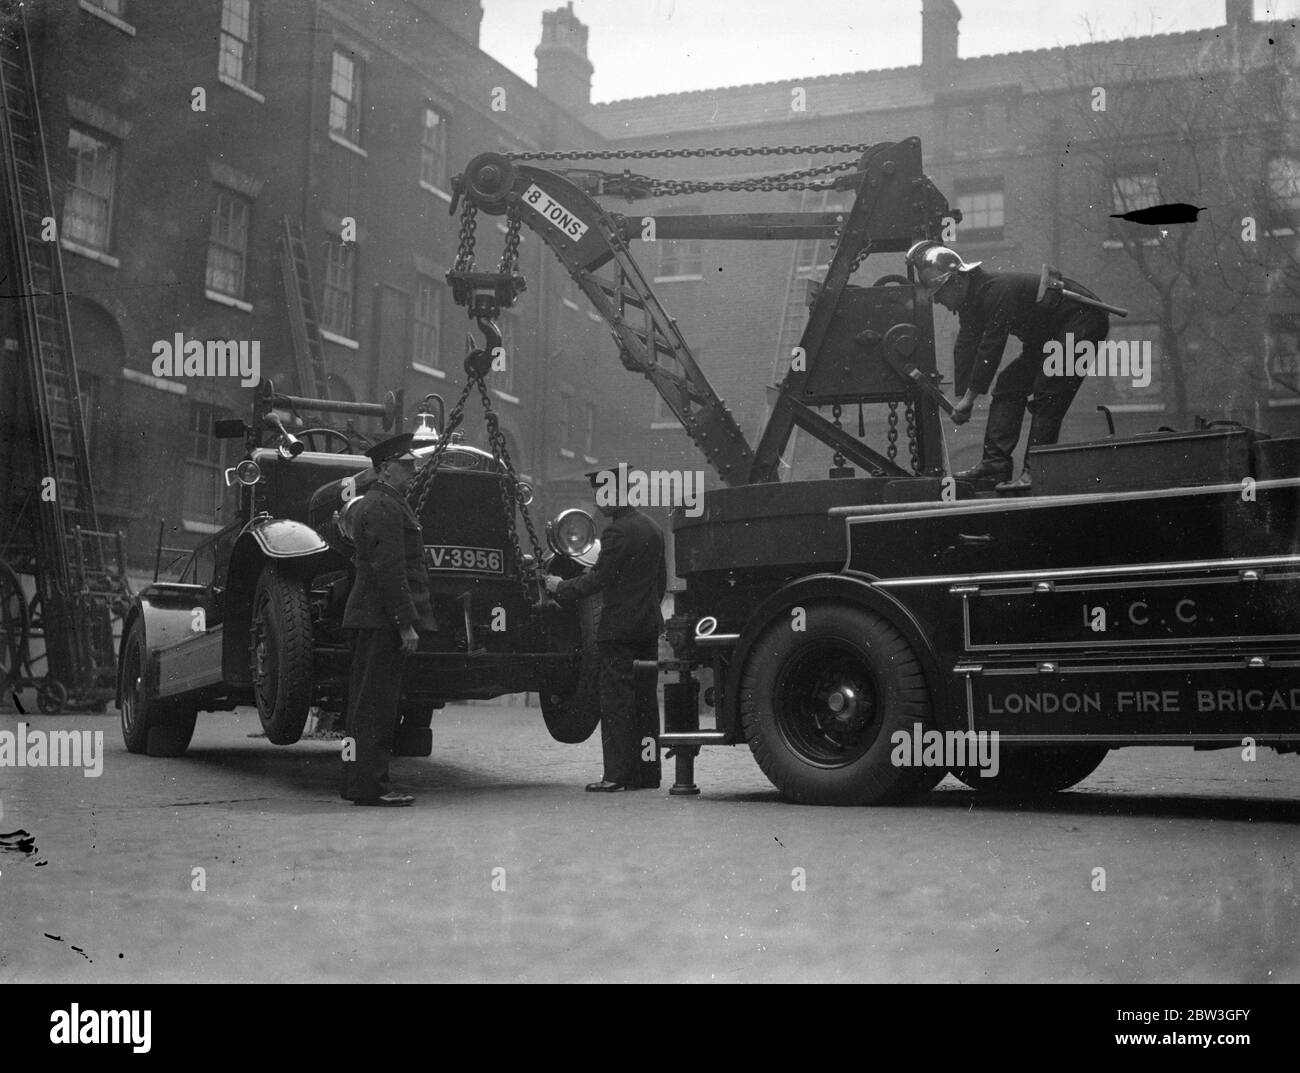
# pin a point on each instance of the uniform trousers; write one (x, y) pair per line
(374, 689)
(624, 725)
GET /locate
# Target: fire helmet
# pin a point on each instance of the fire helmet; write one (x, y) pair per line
(935, 263)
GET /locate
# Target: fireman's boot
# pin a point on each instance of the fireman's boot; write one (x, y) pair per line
(1044, 429)
(1001, 434)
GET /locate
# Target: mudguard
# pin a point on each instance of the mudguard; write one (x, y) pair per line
(168, 612)
(282, 538)
(821, 587)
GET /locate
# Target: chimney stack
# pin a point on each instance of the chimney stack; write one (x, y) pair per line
(563, 70)
(461, 17)
(939, 19)
(1240, 12)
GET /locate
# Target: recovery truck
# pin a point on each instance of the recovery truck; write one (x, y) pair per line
(1147, 593)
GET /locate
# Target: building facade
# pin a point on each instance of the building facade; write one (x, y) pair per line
(182, 135)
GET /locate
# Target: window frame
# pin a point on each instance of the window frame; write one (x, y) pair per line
(330, 287)
(216, 243)
(352, 104)
(247, 76)
(421, 326)
(438, 153)
(194, 458)
(113, 146)
(977, 187)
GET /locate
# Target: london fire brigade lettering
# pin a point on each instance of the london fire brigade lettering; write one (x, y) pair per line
(1044, 703)
(1248, 700)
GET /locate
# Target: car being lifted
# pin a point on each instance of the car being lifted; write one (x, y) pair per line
(256, 616)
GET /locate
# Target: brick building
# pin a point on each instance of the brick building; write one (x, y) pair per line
(336, 113)
(180, 135)
(1017, 143)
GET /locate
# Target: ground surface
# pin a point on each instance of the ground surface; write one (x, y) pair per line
(1199, 852)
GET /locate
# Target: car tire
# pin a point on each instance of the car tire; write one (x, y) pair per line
(820, 705)
(1036, 769)
(150, 726)
(572, 717)
(281, 655)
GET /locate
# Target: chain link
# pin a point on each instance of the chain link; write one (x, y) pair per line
(465, 247)
(892, 435)
(910, 412)
(658, 154)
(510, 254)
(509, 496)
(419, 491)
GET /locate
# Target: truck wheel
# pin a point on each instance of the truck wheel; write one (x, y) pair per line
(1036, 769)
(281, 655)
(820, 705)
(150, 726)
(572, 717)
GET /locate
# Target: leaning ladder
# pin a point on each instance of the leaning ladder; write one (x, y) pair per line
(308, 346)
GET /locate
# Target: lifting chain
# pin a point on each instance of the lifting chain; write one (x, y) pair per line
(510, 254)
(892, 435)
(656, 154)
(788, 180)
(910, 412)
(836, 411)
(465, 247)
(419, 491)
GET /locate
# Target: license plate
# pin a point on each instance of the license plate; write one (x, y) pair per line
(554, 213)
(459, 557)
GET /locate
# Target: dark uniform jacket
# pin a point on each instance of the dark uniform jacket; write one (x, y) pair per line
(999, 304)
(631, 577)
(392, 581)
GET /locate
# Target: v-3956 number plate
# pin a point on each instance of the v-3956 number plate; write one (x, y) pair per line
(458, 557)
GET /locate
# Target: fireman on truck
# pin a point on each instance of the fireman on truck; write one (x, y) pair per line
(990, 306)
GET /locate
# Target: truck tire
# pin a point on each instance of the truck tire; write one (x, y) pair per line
(819, 707)
(151, 726)
(1036, 769)
(281, 655)
(572, 717)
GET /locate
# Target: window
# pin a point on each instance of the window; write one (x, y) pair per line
(589, 429)
(204, 464)
(88, 208)
(428, 320)
(1284, 182)
(680, 258)
(238, 56)
(340, 287)
(981, 204)
(1282, 347)
(228, 244)
(345, 97)
(433, 149)
(1129, 191)
(1120, 392)
(813, 255)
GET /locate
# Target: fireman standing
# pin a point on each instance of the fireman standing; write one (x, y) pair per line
(991, 306)
(631, 576)
(389, 603)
